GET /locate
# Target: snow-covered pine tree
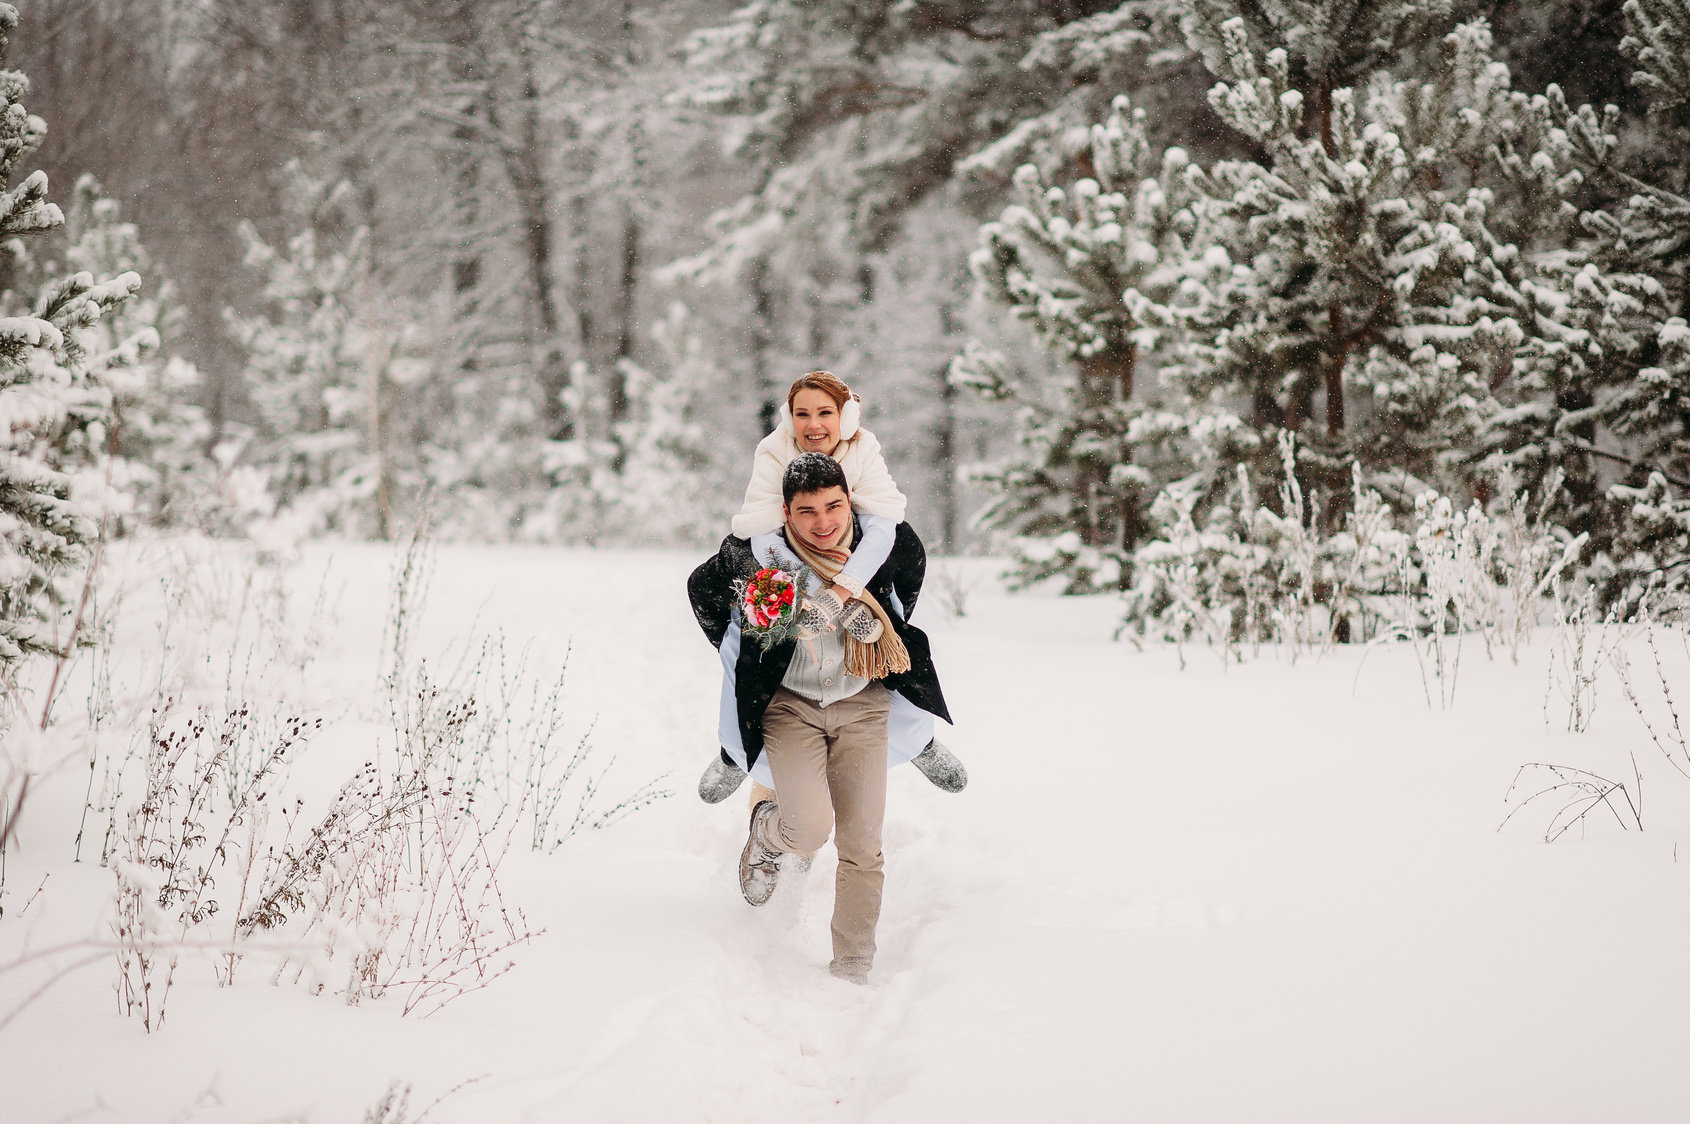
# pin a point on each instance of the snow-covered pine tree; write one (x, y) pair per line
(52, 407)
(157, 436)
(1364, 300)
(1079, 67)
(1627, 295)
(1362, 285)
(1092, 457)
(319, 377)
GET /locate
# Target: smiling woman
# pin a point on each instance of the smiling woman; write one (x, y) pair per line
(821, 415)
(815, 419)
(820, 408)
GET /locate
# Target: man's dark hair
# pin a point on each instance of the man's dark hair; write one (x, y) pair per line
(812, 472)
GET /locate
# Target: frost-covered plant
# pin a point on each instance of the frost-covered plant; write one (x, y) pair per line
(668, 478)
(1575, 795)
(1584, 640)
(1251, 573)
(397, 884)
(952, 588)
(194, 822)
(1664, 718)
(53, 407)
(1059, 259)
(1257, 574)
(390, 887)
(156, 437)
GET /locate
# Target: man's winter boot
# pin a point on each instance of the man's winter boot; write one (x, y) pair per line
(759, 867)
(941, 766)
(851, 969)
(720, 781)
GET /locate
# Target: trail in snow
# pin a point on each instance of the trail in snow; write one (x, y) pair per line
(1260, 892)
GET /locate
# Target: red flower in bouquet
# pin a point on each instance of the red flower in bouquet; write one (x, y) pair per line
(769, 603)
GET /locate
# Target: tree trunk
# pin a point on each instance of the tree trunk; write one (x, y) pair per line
(527, 171)
(378, 354)
(1333, 377)
(466, 209)
(626, 310)
(580, 275)
(1105, 378)
(1323, 97)
(817, 343)
(628, 280)
(760, 341)
(944, 444)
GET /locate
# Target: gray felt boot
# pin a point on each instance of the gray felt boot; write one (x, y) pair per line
(941, 766)
(720, 781)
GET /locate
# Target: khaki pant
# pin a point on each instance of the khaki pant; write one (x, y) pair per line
(829, 766)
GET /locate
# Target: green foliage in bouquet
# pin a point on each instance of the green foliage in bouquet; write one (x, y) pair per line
(771, 602)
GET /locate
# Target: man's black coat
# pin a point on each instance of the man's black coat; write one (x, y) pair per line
(758, 674)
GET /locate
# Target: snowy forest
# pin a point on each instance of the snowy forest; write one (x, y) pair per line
(1324, 326)
(1109, 278)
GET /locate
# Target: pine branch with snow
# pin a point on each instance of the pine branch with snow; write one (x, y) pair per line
(54, 405)
(1059, 260)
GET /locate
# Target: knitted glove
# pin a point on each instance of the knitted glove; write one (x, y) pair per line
(821, 613)
(859, 620)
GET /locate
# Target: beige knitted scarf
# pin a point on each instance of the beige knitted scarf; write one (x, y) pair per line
(886, 656)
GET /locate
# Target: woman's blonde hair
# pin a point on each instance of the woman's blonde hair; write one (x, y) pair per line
(827, 382)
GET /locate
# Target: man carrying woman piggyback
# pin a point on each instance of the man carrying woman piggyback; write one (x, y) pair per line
(844, 687)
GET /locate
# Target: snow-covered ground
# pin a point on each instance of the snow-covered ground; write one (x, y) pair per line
(1261, 892)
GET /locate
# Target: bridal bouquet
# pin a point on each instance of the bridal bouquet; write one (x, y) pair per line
(770, 602)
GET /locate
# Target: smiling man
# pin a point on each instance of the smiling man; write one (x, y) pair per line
(816, 707)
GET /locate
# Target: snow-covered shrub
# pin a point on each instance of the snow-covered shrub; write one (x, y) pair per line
(1649, 553)
(669, 478)
(154, 463)
(310, 380)
(1253, 573)
(392, 885)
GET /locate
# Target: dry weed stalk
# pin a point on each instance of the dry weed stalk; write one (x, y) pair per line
(1580, 793)
(167, 860)
(1668, 736)
(395, 885)
(1583, 641)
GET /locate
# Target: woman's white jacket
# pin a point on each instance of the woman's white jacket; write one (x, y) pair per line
(873, 491)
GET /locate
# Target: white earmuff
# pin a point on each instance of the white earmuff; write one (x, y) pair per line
(850, 418)
(786, 419)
